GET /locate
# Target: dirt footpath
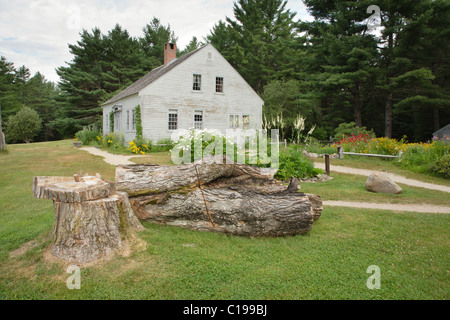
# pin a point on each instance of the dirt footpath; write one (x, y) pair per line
(394, 177)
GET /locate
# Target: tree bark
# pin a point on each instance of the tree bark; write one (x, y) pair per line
(436, 121)
(388, 116)
(229, 198)
(2, 141)
(91, 219)
(357, 109)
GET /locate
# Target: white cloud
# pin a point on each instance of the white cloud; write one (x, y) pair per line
(36, 33)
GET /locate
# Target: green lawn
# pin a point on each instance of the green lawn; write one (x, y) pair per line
(361, 162)
(329, 262)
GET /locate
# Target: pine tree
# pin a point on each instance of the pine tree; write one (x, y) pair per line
(261, 38)
(155, 37)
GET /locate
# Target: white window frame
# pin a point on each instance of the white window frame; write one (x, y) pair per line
(203, 119)
(193, 82)
(133, 120)
(169, 112)
(128, 120)
(249, 121)
(231, 122)
(223, 85)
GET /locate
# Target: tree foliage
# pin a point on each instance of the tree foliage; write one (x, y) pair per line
(23, 126)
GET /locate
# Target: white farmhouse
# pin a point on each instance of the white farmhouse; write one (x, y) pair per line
(197, 90)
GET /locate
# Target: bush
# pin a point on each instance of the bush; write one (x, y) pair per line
(386, 146)
(112, 141)
(23, 126)
(87, 136)
(421, 157)
(350, 129)
(356, 143)
(441, 166)
(294, 164)
(316, 147)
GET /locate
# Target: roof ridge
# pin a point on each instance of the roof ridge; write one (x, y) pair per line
(150, 77)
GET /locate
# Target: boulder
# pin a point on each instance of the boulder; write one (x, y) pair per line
(380, 182)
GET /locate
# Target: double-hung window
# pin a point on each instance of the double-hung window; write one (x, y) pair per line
(245, 122)
(219, 84)
(198, 119)
(173, 119)
(234, 121)
(197, 82)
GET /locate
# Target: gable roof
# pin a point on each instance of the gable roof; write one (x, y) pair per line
(150, 77)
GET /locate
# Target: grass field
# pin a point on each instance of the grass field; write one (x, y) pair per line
(329, 262)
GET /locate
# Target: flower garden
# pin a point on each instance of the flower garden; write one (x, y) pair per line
(432, 157)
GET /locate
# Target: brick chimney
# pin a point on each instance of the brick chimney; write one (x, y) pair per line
(170, 52)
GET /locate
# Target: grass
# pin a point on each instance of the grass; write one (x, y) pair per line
(347, 187)
(329, 262)
(160, 158)
(361, 162)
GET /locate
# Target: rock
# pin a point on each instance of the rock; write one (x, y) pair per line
(380, 182)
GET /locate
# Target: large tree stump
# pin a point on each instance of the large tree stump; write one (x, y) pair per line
(91, 219)
(229, 198)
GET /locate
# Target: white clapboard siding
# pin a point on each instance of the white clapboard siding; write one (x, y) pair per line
(174, 90)
(127, 104)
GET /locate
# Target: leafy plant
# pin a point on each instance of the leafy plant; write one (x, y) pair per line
(138, 119)
(87, 136)
(294, 164)
(23, 126)
(350, 129)
(441, 166)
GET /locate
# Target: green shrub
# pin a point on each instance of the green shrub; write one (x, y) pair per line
(294, 164)
(315, 146)
(23, 126)
(441, 166)
(350, 129)
(138, 119)
(87, 136)
(113, 141)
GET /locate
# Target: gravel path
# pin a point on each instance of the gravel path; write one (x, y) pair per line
(387, 206)
(394, 177)
(113, 159)
(116, 160)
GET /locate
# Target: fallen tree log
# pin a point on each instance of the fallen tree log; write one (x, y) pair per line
(229, 198)
(91, 219)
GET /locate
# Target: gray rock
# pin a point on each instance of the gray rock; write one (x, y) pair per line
(380, 182)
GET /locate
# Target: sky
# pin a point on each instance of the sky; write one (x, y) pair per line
(36, 33)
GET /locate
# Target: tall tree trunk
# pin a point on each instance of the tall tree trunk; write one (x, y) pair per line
(388, 118)
(357, 107)
(436, 118)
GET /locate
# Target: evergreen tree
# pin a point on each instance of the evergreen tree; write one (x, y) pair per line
(155, 37)
(261, 34)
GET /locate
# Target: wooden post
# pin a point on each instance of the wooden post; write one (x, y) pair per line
(340, 152)
(327, 164)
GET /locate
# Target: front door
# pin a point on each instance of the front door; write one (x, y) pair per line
(117, 121)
